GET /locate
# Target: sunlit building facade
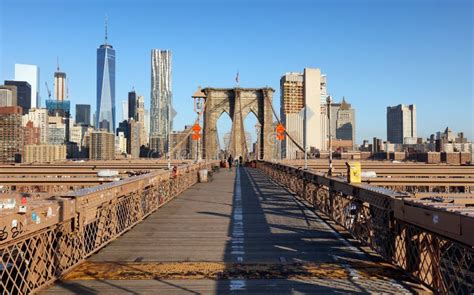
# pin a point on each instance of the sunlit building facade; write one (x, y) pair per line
(161, 99)
(30, 74)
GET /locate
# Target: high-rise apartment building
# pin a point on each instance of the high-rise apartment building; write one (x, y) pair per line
(78, 132)
(131, 131)
(292, 102)
(102, 145)
(133, 142)
(57, 130)
(83, 114)
(40, 119)
(132, 105)
(300, 93)
(8, 96)
(11, 134)
(60, 84)
(161, 99)
(343, 122)
(30, 74)
(121, 143)
(105, 87)
(23, 92)
(401, 123)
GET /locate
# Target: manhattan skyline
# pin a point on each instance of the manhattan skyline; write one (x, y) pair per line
(374, 54)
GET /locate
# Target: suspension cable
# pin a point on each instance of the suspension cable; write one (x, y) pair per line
(279, 122)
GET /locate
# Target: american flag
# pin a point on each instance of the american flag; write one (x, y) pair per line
(237, 78)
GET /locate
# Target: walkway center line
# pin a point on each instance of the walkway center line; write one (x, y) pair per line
(237, 239)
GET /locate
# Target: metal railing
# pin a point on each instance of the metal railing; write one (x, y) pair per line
(77, 224)
(433, 246)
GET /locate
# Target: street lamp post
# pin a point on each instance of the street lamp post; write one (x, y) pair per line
(305, 140)
(328, 102)
(199, 98)
(169, 137)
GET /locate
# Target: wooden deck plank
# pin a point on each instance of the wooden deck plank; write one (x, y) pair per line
(240, 218)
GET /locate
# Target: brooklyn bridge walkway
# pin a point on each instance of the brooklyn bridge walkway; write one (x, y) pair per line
(240, 233)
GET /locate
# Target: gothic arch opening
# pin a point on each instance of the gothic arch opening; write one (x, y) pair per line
(223, 128)
(251, 124)
(239, 102)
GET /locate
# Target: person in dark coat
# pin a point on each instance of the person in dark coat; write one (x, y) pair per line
(229, 160)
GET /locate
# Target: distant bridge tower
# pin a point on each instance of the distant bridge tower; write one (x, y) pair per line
(238, 103)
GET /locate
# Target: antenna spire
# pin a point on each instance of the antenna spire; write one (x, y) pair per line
(106, 28)
(57, 63)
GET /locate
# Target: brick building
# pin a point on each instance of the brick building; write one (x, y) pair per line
(31, 134)
(11, 133)
(102, 145)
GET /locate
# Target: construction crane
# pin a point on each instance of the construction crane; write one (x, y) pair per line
(49, 91)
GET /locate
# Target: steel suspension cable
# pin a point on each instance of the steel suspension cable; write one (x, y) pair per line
(279, 122)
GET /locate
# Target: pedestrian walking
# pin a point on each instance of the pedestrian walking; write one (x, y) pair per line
(230, 160)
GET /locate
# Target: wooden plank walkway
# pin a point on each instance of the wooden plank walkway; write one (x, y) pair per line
(241, 233)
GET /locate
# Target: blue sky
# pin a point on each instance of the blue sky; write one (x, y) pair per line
(375, 53)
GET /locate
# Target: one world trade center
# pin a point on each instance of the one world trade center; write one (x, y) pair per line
(105, 115)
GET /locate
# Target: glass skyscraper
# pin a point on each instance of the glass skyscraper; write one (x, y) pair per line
(30, 74)
(83, 114)
(105, 115)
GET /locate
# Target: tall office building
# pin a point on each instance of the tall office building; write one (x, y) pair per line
(314, 92)
(30, 74)
(124, 110)
(23, 92)
(161, 99)
(132, 105)
(141, 120)
(343, 122)
(8, 96)
(59, 84)
(105, 86)
(83, 114)
(401, 123)
(11, 134)
(147, 125)
(59, 105)
(298, 91)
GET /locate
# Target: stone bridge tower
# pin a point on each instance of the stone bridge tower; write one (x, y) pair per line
(238, 103)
